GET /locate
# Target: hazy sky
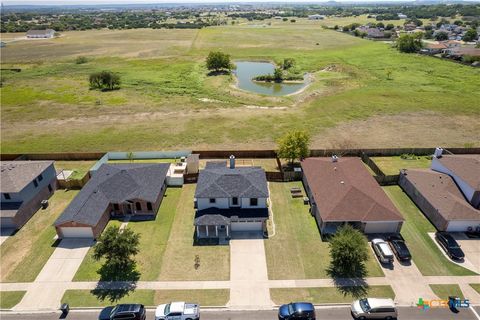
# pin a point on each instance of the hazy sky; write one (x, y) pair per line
(76, 2)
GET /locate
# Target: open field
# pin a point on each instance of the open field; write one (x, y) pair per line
(297, 237)
(9, 299)
(425, 253)
(325, 295)
(168, 101)
(443, 291)
(25, 253)
(84, 298)
(393, 165)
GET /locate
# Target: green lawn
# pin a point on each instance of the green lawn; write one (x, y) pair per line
(297, 237)
(25, 253)
(475, 286)
(79, 168)
(84, 298)
(153, 241)
(325, 294)
(9, 299)
(426, 255)
(443, 291)
(393, 165)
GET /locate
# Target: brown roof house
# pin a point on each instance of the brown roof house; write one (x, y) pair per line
(24, 185)
(341, 190)
(115, 190)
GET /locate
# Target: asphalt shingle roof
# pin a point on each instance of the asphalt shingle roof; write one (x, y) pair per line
(219, 181)
(215, 216)
(466, 167)
(114, 183)
(16, 175)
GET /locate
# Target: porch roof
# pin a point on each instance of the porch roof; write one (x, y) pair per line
(215, 216)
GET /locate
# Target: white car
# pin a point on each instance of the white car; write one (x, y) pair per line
(178, 311)
(374, 308)
(382, 250)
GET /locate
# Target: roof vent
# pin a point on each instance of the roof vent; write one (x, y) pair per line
(232, 162)
(438, 152)
(334, 158)
(342, 182)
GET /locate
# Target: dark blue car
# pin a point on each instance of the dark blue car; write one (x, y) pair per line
(123, 311)
(297, 310)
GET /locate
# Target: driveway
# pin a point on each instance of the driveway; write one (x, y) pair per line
(248, 275)
(469, 246)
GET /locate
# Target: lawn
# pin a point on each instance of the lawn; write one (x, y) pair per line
(79, 168)
(443, 291)
(214, 297)
(426, 255)
(48, 107)
(297, 237)
(25, 253)
(325, 294)
(9, 299)
(475, 286)
(393, 165)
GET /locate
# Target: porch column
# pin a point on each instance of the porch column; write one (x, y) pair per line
(216, 231)
(228, 230)
(206, 229)
(198, 231)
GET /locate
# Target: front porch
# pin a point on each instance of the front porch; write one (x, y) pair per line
(213, 231)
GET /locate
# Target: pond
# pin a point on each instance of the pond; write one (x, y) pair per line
(247, 70)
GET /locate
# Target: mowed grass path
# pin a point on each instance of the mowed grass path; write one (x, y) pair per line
(296, 251)
(49, 107)
(425, 253)
(25, 253)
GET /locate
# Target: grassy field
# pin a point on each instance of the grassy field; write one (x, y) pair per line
(84, 298)
(426, 255)
(443, 291)
(9, 299)
(325, 295)
(297, 237)
(168, 101)
(393, 165)
(25, 253)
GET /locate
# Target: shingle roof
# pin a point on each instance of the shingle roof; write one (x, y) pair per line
(466, 167)
(215, 216)
(346, 191)
(219, 181)
(443, 194)
(115, 183)
(16, 175)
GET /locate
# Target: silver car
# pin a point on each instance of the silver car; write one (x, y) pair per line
(374, 308)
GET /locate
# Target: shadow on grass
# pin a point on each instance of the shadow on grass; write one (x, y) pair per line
(116, 282)
(350, 283)
(218, 73)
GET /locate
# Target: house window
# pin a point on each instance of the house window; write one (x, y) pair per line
(40, 177)
(116, 207)
(50, 188)
(35, 183)
(149, 206)
(253, 202)
(7, 196)
(235, 201)
(212, 200)
(138, 205)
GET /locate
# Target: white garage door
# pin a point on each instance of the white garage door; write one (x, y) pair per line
(77, 232)
(381, 227)
(247, 226)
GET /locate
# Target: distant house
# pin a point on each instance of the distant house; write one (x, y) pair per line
(459, 52)
(434, 48)
(47, 33)
(116, 190)
(229, 199)
(24, 185)
(316, 17)
(342, 191)
(374, 33)
(402, 16)
(410, 27)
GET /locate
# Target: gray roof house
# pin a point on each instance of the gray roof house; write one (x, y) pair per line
(47, 33)
(230, 198)
(116, 190)
(24, 184)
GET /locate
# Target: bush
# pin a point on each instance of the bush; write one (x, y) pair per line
(81, 60)
(104, 80)
(440, 36)
(409, 156)
(217, 61)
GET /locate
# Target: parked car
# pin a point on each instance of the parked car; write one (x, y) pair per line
(297, 310)
(382, 250)
(123, 311)
(451, 247)
(178, 311)
(374, 308)
(399, 247)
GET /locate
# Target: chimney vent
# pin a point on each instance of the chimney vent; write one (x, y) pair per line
(438, 152)
(334, 158)
(232, 162)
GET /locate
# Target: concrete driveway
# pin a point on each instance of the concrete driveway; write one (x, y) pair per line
(472, 254)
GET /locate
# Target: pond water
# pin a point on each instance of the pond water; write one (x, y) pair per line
(247, 70)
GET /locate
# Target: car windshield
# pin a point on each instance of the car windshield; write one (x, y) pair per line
(167, 309)
(451, 242)
(290, 308)
(114, 310)
(364, 304)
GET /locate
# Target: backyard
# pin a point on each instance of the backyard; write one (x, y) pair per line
(298, 238)
(425, 253)
(393, 165)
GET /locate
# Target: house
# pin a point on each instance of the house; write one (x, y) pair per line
(434, 48)
(374, 33)
(316, 17)
(116, 190)
(464, 170)
(47, 33)
(437, 195)
(402, 16)
(342, 191)
(24, 185)
(459, 52)
(229, 199)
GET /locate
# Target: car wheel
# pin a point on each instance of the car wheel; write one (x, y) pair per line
(361, 318)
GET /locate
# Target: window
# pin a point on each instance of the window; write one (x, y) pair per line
(138, 205)
(149, 206)
(35, 183)
(253, 201)
(212, 200)
(7, 196)
(116, 207)
(40, 177)
(50, 188)
(235, 201)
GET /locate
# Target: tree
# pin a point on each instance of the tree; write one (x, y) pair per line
(409, 43)
(380, 25)
(217, 61)
(278, 75)
(104, 80)
(470, 35)
(389, 26)
(294, 145)
(441, 36)
(288, 63)
(348, 253)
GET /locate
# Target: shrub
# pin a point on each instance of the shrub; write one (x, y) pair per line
(104, 80)
(217, 61)
(81, 60)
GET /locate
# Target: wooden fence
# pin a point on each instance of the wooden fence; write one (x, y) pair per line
(74, 183)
